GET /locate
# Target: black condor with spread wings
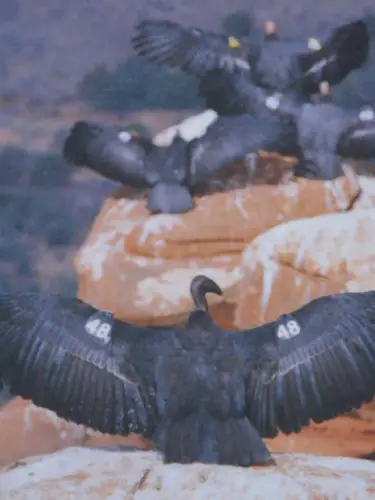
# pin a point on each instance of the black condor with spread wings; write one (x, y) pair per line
(200, 392)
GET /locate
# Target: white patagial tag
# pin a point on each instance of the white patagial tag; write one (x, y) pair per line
(366, 114)
(313, 44)
(273, 102)
(241, 63)
(100, 325)
(287, 328)
(125, 136)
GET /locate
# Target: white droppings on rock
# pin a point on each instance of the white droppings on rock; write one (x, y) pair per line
(290, 190)
(93, 256)
(239, 203)
(96, 474)
(173, 286)
(328, 240)
(338, 193)
(59, 423)
(367, 184)
(329, 253)
(159, 223)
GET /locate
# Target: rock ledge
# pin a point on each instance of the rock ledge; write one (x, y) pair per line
(96, 474)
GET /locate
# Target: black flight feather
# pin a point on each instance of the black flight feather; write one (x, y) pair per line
(188, 48)
(200, 392)
(172, 173)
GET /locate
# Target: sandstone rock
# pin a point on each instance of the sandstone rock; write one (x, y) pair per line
(140, 265)
(27, 430)
(308, 258)
(367, 196)
(343, 436)
(82, 473)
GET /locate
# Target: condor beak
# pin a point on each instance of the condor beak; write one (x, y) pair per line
(233, 43)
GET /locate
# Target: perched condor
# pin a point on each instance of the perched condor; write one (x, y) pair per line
(172, 173)
(327, 133)
(235, 94)
(199, 392)
(275, 64)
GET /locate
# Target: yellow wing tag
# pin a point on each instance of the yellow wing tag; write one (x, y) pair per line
(233, 43)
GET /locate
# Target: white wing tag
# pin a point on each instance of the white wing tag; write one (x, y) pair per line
(287, 328)
(100, 325)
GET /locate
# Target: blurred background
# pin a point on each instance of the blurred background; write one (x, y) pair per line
(63, 60)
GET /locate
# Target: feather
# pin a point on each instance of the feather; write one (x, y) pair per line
(233, 94)
(202, 393)
(346, 50)
(326, 134)
(188, 48)
(358, 141)
(108, 150)
(59, 357)
(324, 370)
(232, 138)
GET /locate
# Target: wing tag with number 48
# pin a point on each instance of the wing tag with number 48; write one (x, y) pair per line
(100, 325)
(287, 327)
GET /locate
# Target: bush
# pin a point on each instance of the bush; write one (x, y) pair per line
(50, 171)
(50, 217)
(8, 10)
(138, 84)
(15, 164)
(238, 23)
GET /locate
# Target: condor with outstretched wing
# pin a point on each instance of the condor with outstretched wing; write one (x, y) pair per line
(200, 392)
(274, 64)
(326, 134)
(171, 173)
(232, 138)
(189, 48)
(133, 161)
(346, 50)
(235, 94)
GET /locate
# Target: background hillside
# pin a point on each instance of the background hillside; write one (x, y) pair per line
(63, 61)
(47, 46)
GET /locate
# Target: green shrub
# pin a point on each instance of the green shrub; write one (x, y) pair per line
(50, 170)
(14, 165)
(238, 23)
(138, 84)
(8, 10)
